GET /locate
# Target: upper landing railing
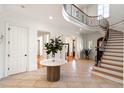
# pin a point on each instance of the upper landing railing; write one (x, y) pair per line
(92, 21)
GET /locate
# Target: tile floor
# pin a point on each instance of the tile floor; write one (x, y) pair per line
(75, 74)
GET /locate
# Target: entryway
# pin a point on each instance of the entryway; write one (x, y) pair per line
(70, 48)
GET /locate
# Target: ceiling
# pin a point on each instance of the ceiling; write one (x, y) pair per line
(40, 13)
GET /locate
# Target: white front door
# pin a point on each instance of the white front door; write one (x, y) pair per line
(17, 49)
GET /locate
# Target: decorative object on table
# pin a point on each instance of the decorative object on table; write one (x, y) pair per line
(86, 52)
(54, 46)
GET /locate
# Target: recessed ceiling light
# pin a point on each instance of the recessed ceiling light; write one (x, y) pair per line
(50, 17)
(80, 29)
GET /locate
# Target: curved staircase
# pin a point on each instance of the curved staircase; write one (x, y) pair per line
(111, 66)
(111, 63)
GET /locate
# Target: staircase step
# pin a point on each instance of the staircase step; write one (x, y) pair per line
(108, 42)
(108, 76)
(116, 32)
(112, 67)
(109, 71)
(120, 47)
(113, 58)
(114, 44)
(112, 31)
(116, 35)
(112, 62)
(113, 54)
(114, 39)
(114, 50)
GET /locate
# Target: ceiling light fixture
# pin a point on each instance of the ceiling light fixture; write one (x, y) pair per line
(50, 17)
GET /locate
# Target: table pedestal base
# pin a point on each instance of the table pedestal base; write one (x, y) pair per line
(53, 73)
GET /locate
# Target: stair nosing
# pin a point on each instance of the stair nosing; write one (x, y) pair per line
(112, 55)
(112, 59)
(109, 71)
(103, 62)
(113, 67)
(109, 74)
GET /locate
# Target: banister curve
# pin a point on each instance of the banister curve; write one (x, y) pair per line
(85, 18)
(93, 21)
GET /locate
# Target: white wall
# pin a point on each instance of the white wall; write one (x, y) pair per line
(32, 44)
(92, 10)
(33, 28)
(116, 15)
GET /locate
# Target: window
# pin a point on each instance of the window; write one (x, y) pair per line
(103, 9)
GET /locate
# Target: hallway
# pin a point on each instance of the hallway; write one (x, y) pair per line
(75, 74)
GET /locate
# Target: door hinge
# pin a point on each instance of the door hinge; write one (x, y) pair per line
(8, 55)
(9, 29)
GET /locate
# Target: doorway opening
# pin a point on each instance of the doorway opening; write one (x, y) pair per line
(42, 38)
(70, 48)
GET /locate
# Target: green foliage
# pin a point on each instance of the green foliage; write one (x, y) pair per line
(86, 52)
(54, 46)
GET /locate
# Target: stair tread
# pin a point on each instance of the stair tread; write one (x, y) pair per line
(108, 74)
(115, 70)
(113, 55)
(112, 59)
(110, 71)
(114, 50)
(111, 64)
(115, 39)
(104, 56)
(105, 60)
(111, 48)
(115, 42)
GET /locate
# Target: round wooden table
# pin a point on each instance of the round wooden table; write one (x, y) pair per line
(53, 68)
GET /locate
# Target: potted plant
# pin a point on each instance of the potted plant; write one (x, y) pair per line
(86, 53)
(54, 46)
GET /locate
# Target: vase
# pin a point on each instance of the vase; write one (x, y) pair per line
(53, 56)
